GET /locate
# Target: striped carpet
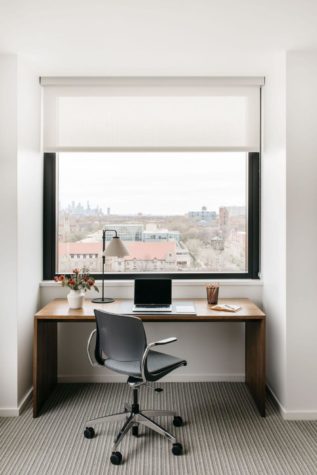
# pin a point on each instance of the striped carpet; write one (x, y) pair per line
(223, 434)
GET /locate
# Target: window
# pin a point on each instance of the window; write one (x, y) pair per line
(183, 214)
(171, 163)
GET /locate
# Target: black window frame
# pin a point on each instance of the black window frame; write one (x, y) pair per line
(50, 227)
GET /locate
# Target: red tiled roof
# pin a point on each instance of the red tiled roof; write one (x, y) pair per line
(66, 248)
(137, 250)
(146, 251)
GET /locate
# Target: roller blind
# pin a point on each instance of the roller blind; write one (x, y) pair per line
(101, 114)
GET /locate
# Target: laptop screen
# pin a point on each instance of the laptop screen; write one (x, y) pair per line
(152, 291)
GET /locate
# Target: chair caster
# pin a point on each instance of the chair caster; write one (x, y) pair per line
(116, 458)
(177, 421)
(89, 433)
(135, 431)
(177, 449)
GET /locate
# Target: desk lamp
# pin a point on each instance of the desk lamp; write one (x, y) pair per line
(115, 248)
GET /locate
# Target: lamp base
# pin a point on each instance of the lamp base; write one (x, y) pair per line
(102, 300)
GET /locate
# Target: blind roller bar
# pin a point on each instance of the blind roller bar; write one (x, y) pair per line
(56, 149)
(256, 81)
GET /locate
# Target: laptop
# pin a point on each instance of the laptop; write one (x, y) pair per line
(152, 295)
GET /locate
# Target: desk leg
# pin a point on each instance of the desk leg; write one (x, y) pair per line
(255, 362)
(44, 362)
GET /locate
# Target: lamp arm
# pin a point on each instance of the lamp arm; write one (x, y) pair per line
(104, 231)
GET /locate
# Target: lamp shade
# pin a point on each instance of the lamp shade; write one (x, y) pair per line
(116, 248)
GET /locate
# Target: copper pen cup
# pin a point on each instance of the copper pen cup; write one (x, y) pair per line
(212, 295)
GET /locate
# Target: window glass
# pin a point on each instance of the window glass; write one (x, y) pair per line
(175, 212)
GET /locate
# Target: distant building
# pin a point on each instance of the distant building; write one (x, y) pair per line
(146, 257)
(217, 243)
(236, 211)
(223, 216)
(152, 234)
(203, 215)
(73, 255)
(183, 259)
(135, 232)
(126, 232)
(143, 257)
(154, 256)
(238, 239)
(78, 209)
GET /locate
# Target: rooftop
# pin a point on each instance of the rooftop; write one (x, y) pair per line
(137, 250)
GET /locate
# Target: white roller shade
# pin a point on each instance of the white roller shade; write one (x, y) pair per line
(151, 114)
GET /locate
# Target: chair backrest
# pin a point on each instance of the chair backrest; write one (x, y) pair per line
(119, 337)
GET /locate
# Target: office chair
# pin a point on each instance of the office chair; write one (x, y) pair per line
(122, 347)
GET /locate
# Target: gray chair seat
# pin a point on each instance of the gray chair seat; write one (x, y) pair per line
(157, 364)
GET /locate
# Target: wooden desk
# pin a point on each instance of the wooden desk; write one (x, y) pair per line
(45, 339)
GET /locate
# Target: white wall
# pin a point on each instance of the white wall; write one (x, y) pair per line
(8, 231)
(301, 234)
(273, 224)
(20, 218)
(30, 205)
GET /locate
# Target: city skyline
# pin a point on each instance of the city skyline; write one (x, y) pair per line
(153, 183)
(86, 206)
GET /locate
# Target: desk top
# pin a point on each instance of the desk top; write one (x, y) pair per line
(58, 310)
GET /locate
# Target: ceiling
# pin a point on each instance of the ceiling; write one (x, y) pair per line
(149, 35)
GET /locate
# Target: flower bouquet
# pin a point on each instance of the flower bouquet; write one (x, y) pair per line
(78, 282)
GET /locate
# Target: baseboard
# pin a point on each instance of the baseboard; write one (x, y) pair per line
(291, 415)
(278, 403)
(182, 378)
(26, 398)
(9, 412)
(302, 415)
(16, 411)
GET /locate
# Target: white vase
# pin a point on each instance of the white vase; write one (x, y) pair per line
(75, 299)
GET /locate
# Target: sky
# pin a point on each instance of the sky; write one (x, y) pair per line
(153, 183)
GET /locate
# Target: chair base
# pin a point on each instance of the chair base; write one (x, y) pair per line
(134, 417)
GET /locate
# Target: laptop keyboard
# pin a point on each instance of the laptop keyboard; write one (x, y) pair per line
(152, 306)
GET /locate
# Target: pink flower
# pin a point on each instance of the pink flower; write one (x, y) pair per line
(76, 271)
(71, 282)
(91, 282)
(61, 278)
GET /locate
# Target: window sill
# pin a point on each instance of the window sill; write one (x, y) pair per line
(176, 283)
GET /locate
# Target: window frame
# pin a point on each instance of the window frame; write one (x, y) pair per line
(50, 229)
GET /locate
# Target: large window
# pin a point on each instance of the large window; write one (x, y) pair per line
(171, 164)
(185, 214)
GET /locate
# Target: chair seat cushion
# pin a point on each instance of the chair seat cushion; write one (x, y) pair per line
(157, 363)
